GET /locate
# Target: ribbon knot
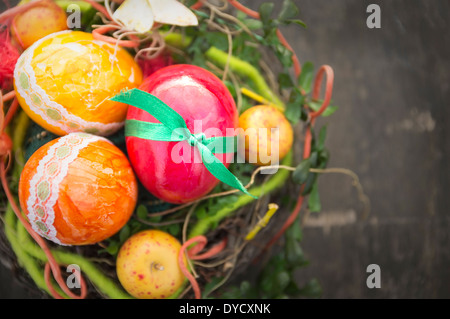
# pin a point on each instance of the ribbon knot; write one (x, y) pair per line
(173, 128)
(194, 139)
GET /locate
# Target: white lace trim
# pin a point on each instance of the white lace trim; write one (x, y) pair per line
(24, 69)
(44, 185)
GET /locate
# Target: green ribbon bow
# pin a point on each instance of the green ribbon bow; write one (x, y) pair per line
(173, 129)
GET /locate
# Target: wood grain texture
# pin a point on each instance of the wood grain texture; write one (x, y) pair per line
(392, 129)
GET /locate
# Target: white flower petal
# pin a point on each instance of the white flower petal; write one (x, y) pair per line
(135, 15)
(172, 12)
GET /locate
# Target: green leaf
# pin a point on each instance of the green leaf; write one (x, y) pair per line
(295, 21)
(253, 24)
(288, 10)
(293, 112)
(142, 211)
(312, 289)
(155, 219)
(268, 277)
(301, 172)
(214, 225)
(321, 140)
(87, 16)
(294, 253)
(294, 108)
(135, 226)
(306, 77)
(292, 290)
(200, 213)
(124, 233)
(282, 281)
(113, 248)
(245, 287)
(285, 80)
(246, 52)
(295, 231)
(283, 54)
(217, 39)
(241, 15)
(314, 199)
(265, 11)
(231, 88)
(316, 105)
(313, 158)
(190, 3)
(210, 285)
(324, 157)
(309, 183)
(174, 229)
(266, 284)
(201, 14)
(329, 110)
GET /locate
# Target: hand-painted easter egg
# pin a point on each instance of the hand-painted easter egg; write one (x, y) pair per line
(78, 189)
(64, 80)
(174, 171)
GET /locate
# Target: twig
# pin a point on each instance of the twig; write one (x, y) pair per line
(167, 223)
(230, 192)
(356, 183)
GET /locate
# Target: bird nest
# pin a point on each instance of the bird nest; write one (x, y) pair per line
(247, 51)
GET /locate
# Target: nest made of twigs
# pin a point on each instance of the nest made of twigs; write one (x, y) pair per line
(239, 255)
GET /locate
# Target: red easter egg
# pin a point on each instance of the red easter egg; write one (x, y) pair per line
(173, 171)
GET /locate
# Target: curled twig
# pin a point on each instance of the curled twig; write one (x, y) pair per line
(356, 183)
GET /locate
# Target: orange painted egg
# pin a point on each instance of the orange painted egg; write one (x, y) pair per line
(64, 80)
(78, 189)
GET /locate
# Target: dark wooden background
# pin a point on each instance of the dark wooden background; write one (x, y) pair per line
(392, 129)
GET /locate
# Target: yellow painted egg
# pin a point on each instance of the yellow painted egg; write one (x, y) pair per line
(64, 81)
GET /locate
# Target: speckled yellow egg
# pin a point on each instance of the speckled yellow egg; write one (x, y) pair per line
(147, 265)
(64, 81)
(78, 189)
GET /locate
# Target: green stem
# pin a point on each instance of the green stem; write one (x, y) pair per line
(28, 263)
(276, 181)
(102, 282)
(20, 131)
(244, 69)
(64, 4)
(178, 40)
